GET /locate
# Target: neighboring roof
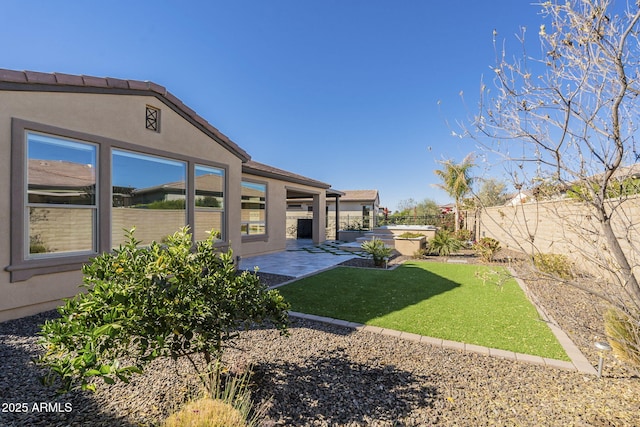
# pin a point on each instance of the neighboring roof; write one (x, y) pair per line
(266, 171)
(359, 195)
(60, 173)
(58, 82)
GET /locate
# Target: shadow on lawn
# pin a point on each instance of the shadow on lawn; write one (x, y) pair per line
(360, 295)
(335, 390)
(37, 404)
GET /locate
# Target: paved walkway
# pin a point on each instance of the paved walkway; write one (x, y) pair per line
(303, 258)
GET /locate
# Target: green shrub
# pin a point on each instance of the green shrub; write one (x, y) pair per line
(444, 243)
(164, 204)
(147, 302)
(463, 235)
(623, 332)
(487, 248)
(556, 264)
(410, 235)
(377, 249)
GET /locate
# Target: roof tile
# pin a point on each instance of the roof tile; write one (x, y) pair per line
(154, 87)
(69, 79)
(138, 85)
(252, 166)
(117, 83)
(13, 76)
(36, 77)
(95, 81)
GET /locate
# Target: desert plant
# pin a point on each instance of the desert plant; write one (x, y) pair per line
(146, 302)
(554, 264)
(206, 412)
(623, 333)
(226, 403)
(444, 243)
(487, 248)
(377, 249)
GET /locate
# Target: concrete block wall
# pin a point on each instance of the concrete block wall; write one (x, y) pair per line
(565, 227)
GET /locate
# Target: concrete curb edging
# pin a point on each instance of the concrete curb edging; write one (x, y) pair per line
(579, 362)
(577, 358)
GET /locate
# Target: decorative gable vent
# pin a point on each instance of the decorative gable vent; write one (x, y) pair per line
(153, 119)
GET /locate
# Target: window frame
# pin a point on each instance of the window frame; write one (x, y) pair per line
(223, 210)
(263, 236)
(28, 205)
(22, 267)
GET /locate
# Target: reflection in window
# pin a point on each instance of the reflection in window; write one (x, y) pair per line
(148, 193)
(254, 198)
(209, 210)
(61, 195)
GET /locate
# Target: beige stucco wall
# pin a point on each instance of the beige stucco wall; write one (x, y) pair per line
(563, 227)
(117, 117)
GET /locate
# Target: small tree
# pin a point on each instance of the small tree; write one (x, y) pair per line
(456, 181)
(157, 301)
(567, 122)
(491, 192)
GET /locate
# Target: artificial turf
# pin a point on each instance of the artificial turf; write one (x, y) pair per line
(460, 302)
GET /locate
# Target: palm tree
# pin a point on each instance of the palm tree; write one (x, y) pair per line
(456, 181)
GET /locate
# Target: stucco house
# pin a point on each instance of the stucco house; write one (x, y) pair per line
(88, 157)
(345, 208)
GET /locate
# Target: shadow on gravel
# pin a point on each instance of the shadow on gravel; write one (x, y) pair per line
(331, 389)
(24, 400)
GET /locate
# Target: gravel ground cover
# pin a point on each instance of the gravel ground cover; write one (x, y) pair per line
(326, 375)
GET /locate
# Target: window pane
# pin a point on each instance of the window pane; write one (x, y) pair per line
(60, 171)
(209, 213)
(254, 198)
(59, 230)
(148, 193)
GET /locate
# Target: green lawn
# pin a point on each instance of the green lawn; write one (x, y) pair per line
(441, 300)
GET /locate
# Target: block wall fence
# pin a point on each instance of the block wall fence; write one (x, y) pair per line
(563, 227)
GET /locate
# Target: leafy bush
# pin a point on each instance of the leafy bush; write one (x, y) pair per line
(164, 204)
(377, 249)
(463, 235)
(623, 331)
(556, 264)
(147, 302)
(487, 248)
(352, 226)
(444, 243)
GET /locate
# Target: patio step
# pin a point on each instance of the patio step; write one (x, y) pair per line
(387, 239)
(351, 247)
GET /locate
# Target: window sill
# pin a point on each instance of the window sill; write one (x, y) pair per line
(29, 268)
(255, 238)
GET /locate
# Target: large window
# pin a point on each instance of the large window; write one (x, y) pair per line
(61, 207)
(209, 202)
(254, 217)
(148, 193)
(73, 195)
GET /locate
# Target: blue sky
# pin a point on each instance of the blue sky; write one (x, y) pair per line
(360, 94)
